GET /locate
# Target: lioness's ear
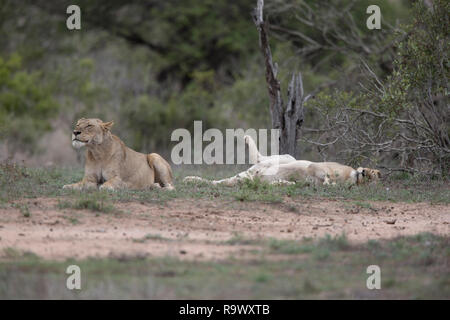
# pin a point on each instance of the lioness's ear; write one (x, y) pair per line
(107, 125)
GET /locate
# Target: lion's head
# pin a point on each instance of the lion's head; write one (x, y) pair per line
(369, 174)
(90, 132)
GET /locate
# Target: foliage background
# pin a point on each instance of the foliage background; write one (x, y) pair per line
(153, 66)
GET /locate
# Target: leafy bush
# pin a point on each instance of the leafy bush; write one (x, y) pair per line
(401, 123)
(26, 104)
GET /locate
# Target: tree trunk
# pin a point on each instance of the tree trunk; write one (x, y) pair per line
(287, 118)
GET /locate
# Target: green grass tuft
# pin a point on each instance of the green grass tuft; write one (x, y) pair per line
(96, 201)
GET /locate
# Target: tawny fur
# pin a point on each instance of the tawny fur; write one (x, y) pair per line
(111, 165)
(331, 173)
(369, 175)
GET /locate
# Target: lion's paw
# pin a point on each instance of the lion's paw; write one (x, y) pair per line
(106, 187)
(73, 186)
(192, 179)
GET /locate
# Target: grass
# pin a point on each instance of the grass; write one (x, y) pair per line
(96, 201)
(17, 182)
(238, 239)
(416, 267)
(24, 210)
(151, 237)
(319, 249)
(72, 220)
(13, 254)
(412, 267)
(363, 204)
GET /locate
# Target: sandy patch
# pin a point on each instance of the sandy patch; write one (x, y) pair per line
(199, 229)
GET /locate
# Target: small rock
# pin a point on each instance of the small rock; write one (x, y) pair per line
(183, 251)
(391, 221)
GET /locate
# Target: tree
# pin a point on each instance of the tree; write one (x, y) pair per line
(401, 123)
(288, 118)
(183, 36)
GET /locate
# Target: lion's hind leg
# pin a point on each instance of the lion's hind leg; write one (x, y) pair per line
(162, 170)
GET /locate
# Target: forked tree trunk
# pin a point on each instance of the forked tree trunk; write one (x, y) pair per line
(288, 118)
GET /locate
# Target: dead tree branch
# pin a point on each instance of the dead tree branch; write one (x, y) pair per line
(288, 118)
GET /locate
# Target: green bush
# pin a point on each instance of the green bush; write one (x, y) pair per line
(26, 104)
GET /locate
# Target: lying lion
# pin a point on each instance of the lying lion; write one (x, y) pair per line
(317, 173)
(112, 165)
(285, 170)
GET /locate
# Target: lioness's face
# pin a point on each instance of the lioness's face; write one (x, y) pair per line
(369, 174)
(89, 132)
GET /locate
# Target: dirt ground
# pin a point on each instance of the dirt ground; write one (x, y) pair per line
(201, 229)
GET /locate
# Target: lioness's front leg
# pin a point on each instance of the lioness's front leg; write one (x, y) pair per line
(113, 184)
(85, 183)
(90, 179)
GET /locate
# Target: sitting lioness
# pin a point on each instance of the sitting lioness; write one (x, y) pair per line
(112, 165)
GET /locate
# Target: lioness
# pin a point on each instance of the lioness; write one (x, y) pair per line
(317, 173)
(285, 170)
(112, 165)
